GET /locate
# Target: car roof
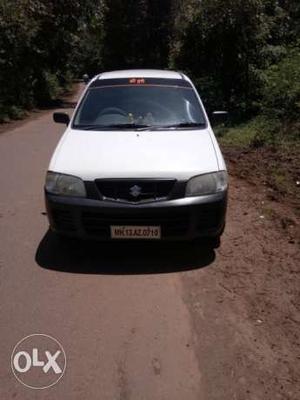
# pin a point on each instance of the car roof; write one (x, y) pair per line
(141, 73)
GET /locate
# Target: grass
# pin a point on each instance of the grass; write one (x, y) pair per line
(265, 152)
(254, 133)
(259, 132)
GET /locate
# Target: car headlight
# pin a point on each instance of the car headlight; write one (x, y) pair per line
(207, 184)
(66, 185)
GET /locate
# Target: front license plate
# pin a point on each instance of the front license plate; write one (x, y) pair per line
(135, 232)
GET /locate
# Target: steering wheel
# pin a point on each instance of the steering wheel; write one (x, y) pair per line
(113, 110)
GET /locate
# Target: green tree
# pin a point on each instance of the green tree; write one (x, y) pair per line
(220, 42)
(281, 95)
(41, 44)
(137, 34)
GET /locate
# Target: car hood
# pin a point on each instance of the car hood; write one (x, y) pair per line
(130, 154)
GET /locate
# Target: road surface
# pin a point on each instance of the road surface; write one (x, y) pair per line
(145, 321)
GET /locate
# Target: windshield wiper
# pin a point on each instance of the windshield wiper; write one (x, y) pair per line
(188, 125)
(174, 126)
(140, 127)
(112, 126)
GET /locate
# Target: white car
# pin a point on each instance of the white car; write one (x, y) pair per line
(138, 160)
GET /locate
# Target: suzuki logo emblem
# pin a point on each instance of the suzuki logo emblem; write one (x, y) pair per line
(135, 191)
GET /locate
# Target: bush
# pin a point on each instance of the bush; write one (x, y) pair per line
(255, 133)
(281, 93)
(16, 112)
(47, 88)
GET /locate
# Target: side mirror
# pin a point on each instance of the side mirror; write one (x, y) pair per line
(219, 117)
(86, 78)
(61, 118)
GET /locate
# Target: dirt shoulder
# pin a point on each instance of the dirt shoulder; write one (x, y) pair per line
(275, 173)
(246, 308)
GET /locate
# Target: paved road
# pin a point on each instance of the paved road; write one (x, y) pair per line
(144, 321)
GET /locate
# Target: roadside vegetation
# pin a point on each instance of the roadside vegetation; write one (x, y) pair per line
(244, 56)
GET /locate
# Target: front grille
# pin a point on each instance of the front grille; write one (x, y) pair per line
(172, 224)
(135, 190)
(63, 220)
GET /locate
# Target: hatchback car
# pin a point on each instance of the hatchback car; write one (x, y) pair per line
(138, 160)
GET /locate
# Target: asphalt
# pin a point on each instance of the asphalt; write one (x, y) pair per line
(122, 324)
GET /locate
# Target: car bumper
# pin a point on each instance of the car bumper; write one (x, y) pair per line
(179, 219)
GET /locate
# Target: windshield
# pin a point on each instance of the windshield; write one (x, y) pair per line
(153, 104)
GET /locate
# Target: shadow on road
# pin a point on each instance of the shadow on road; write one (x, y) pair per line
(120, 258)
